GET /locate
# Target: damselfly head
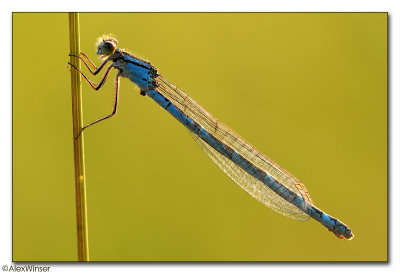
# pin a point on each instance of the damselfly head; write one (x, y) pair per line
(106, 46)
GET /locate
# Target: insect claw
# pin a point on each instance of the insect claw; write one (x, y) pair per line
(80, 133)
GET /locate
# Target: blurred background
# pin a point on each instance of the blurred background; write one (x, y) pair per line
(309, 90)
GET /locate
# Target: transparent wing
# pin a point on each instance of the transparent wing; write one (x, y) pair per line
(254, 187)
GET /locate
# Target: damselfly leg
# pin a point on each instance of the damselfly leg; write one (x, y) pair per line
(97, 70)
(93, 85)
(97, 87)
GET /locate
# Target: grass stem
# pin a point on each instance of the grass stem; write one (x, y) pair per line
(79, 163)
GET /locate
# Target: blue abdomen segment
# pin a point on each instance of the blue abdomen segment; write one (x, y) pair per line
(329, 222)
(228, 152)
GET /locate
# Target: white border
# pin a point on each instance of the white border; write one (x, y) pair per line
(390, 6)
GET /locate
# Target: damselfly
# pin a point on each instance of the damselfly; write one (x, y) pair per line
(250, 169)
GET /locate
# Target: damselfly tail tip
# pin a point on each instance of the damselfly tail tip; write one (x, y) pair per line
(344, 238)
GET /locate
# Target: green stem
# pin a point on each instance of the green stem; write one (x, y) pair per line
(79, 163)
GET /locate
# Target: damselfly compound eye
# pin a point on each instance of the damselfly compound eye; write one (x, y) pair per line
(107, 46)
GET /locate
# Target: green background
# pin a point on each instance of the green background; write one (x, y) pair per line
(307, 89)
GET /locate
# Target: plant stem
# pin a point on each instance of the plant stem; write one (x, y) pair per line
(79, 163)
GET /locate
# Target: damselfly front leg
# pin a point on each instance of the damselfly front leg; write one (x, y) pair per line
(97, 87)
(93, 85)
(97, 70)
